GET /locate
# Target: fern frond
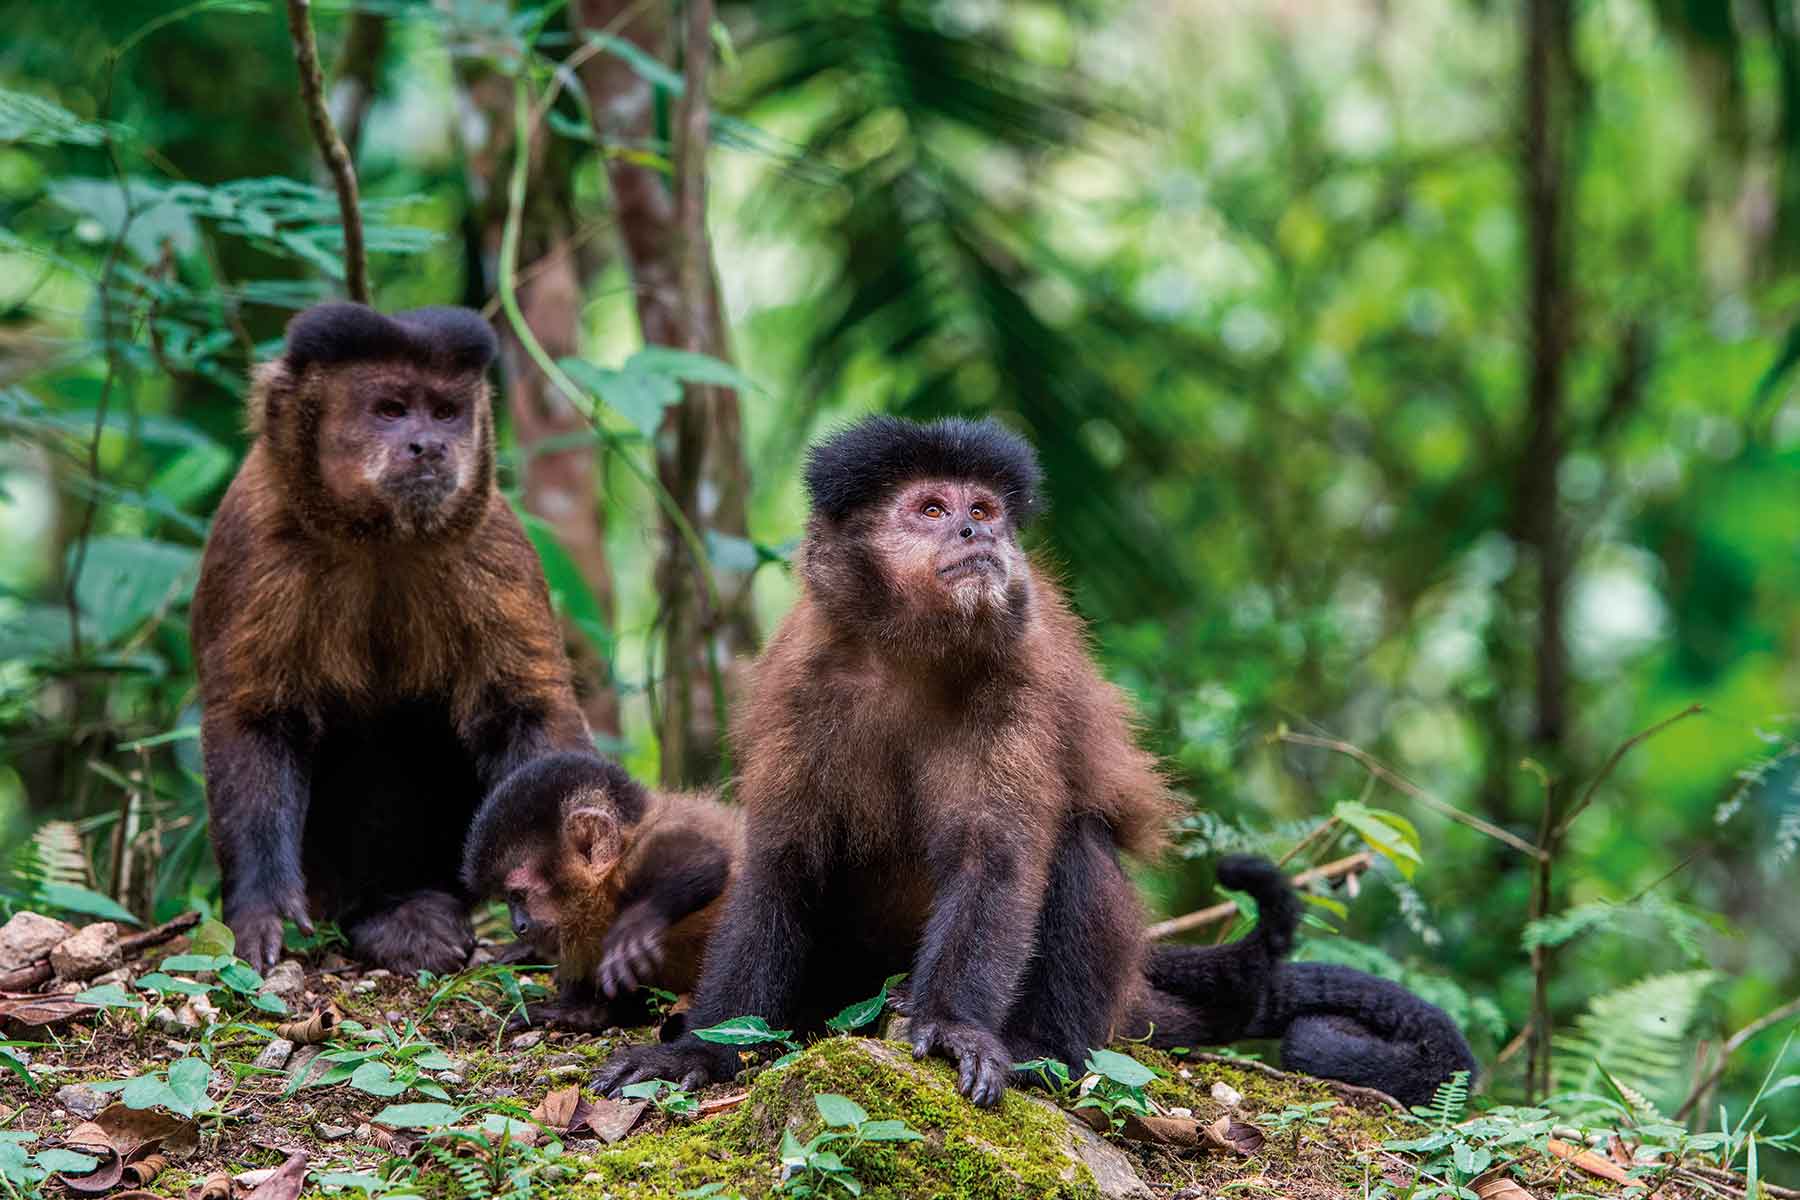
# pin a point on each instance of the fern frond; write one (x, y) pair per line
(1787, 836)
(53, 854)
(1651, 917)
(1447, 1103)
(1636, 1034)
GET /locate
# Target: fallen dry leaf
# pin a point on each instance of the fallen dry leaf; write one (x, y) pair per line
(216, 1186)
(611, 1120)
(307, 1031)
(560, 1109)
(140, 1173)
(1588, 1161)
(1163, 1131)
(119, 1136)
(1498, 1184)
(722, 1104)
(255, 1178)
(1233, 1136)
(285, 1183)
(24, 1011)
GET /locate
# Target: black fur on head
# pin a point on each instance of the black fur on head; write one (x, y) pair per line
(524, 813)
(859, 465)
(451, 339)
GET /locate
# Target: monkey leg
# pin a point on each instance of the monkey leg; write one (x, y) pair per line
(1086, 953)
(427, 930)
(972, 956)
(257, 794)
(753, 966)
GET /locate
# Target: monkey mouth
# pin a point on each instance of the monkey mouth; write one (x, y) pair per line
(970, 566)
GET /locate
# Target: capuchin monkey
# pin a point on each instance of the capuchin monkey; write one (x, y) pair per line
(935, 779)
(374, 638)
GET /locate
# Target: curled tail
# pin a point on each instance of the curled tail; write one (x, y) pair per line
(1207, 995)
(1340, 1023)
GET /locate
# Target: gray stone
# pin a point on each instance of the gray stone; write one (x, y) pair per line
(90, 952)
(1111, 1168)
(80, 1101)
(449, 1077)
(274, 1056)
(29, 937)
(526, 1041)
(286, 980)
(334, 1133)
(178, 1024)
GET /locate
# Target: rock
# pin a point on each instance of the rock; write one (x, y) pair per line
(526, 1041)
(306, 1065)
(449, 1077)
(274, 1056)
(287, 981)
(178, 1024)
(1227, 1095)
(80, 1101)
(378, 973)
(90, 952)
(334, 1133)
(1026, 1147)
(28, 937)
(119, 975)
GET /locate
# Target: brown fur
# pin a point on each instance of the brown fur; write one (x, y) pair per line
(337, 601)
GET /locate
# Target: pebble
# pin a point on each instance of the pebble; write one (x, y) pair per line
(170, 1021)
(363, 987)
(334, 1133)
(1186, 1114)
(274, 1056)
(286, 979)
(526, 1041)
(449, 1077)
(378, 973)
(566, 1074)
(1227, 1095)
(82, 1103)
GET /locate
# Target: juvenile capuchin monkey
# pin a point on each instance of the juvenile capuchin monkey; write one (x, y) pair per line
(618, 885)
(375, 642)
(935, 779)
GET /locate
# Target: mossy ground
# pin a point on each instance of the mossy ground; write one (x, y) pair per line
(1015, 1150)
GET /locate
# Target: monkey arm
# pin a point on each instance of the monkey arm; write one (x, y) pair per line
(258, 793)
(976, 945)
(677, 873)
(753, 967)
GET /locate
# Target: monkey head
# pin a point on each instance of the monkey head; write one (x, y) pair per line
(382, 426)
(548, 841)
(915, 528)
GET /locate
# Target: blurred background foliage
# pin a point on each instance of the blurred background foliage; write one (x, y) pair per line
(1410, 375)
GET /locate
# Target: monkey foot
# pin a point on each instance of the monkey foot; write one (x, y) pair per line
(688, 1064)
(981, 1059)
(426, 931)
(571, 1015)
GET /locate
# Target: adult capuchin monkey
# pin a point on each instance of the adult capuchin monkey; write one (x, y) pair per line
(375, 642)
(935, 778)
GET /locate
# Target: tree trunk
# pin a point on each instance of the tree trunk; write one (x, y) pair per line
(699, 448)
(561, 486)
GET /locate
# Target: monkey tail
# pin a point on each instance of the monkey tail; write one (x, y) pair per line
(1277, 907)
(1340, 1023)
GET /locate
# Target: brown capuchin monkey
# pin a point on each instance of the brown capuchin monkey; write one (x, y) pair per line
(618, 885)
(936, 779)
(374, 638)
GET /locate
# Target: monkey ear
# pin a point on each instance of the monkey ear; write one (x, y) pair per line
(594, 834)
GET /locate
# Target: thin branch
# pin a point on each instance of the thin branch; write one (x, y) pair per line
(1625, 747)
(1731, 1046)
(1342, 868)
(331, 148)
(1402, 784)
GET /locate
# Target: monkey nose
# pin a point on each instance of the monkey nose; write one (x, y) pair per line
(968, 531)
(521, 926)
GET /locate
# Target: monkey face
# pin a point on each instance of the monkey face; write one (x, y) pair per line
(531, 903)
(402, 446)
(951, 541)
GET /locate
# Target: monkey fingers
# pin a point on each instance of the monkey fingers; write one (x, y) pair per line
(428, 930)
(258, 932)
(688, 1064)
(630, 961)
(980, 1057)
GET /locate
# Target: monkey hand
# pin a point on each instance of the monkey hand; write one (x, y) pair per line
(257, 928)
(576, 1015)
(631, 955)
(981, 1059)
(688, 1063)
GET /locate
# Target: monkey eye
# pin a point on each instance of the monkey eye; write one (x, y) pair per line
(978, 511)
(391, 410)
(933, 509)
(444, 412)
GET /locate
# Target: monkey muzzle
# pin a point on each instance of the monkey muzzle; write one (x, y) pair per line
(977, 565)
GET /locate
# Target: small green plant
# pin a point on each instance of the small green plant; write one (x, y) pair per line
(234, 982)
(497, 990)
(669, 1099)
(23, 1171)
(818, 1167)
(1113, 1083)
(380, 1062)
(1294, 1116)
(182, 1088)
(864, 1012)
(711, 1191)
(752, 1031)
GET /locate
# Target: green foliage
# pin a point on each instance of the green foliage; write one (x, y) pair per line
(864, 1012)
(1113, 1084)
(1636, 1034)
(386, 1061)
(182, 1088)
(24, 1171)
(669, 1098)
(819, 1167)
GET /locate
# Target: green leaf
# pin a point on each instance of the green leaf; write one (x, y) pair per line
(270, 1003)
(376, 1079)
(69, 897)
(195, 962)
(419, 1116)
(640, 399)
(239, 977)
(793, 1154)
(689, 367)
(162, 984)
(188, 1080)
(434, 1060)
(743, 1031)
(888, 1131)
(1388, 833)
(645, 65)
(39, 122)
(66, 1162)
(124, 581)
(211, 939)
(149, 1091)
(857, 1015)
(569, 589)
(840, 1112)
(21, 1070)
(1122, 1069)
(109, 995)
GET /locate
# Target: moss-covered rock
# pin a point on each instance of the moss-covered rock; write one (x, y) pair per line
(1024, 1147)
